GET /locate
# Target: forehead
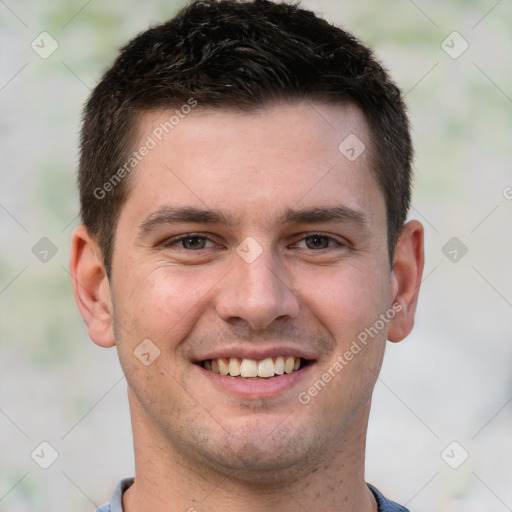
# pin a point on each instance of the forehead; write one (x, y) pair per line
(305, 154)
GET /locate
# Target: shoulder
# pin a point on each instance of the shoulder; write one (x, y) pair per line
(384, 504)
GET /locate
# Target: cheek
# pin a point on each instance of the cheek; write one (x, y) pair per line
(162, 304)
(346, 300)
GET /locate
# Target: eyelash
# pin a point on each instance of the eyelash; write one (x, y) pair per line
(333, 242)
(175, 241)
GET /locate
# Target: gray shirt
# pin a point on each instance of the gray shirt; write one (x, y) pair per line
(116, 503)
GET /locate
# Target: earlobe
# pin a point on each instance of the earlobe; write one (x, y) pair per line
(91, 287)
(406, 279)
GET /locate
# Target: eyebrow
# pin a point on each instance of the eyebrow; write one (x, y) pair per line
(335, 214)
(183, 215)
(193, 215)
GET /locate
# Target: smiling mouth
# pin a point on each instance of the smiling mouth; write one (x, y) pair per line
(250, 368)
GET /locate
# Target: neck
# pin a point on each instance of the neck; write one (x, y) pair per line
(167, 479)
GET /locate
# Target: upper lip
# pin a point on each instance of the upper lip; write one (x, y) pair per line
(257, 353)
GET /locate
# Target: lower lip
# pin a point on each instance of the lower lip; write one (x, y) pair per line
(257, 389)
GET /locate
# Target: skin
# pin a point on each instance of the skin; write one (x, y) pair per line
(201, 446)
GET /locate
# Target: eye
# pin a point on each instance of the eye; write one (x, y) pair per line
(190, 242)
(193, 242)
(317, 241)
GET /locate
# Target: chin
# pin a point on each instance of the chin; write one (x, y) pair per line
(281, 458)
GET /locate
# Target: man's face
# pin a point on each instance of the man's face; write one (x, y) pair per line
(248, 237)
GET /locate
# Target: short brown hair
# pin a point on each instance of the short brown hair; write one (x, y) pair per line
(237, 55)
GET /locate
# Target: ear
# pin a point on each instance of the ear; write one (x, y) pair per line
(406, 279)
(91, 287)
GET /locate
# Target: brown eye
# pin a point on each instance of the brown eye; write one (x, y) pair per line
(193, 242)
(317, 242)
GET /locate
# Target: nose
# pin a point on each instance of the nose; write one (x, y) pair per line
(256, 293)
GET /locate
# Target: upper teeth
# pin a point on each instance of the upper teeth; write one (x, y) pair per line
(251, 368)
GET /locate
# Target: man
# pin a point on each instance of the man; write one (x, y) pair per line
(244, 181)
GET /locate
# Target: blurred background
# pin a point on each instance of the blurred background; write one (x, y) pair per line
(440, 436)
